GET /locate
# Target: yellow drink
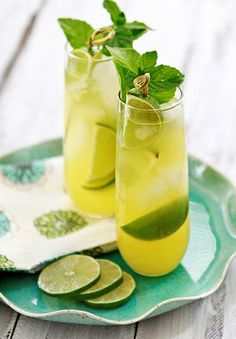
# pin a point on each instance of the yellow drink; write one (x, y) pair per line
(91, 87)
(152, 187)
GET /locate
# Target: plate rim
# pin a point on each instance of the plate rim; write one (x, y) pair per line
(107, 321)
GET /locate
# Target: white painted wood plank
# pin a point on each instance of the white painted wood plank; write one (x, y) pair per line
(209, 88)
(15, 16)
(49, 330)
(177, 324)
(230, 305)
(8, 319)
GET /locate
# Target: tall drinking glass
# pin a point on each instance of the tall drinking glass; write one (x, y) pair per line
(91, 87)
(152, 186)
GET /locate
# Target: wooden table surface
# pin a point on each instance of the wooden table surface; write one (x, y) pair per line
(197, 36)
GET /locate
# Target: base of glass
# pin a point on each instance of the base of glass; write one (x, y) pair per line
(154, 275)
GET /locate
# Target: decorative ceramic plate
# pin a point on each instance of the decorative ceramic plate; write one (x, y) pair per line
(212, 246)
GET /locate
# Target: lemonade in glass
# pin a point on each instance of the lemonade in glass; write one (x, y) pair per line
(91, 87)
(152, 209)
(152, 187)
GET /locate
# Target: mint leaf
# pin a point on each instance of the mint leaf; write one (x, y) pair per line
(117, 16)
(126, 80)
(122, 38)
(147, 61)
(137, 28)
(76, 31)
(126, 57)
(164, 81)
(170, 75)
(162, 95)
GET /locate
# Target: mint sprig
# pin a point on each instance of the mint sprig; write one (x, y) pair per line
(163, 79)
(78, 32)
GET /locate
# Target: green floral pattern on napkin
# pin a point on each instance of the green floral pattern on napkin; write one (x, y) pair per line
(24, 174)
(59, 223)
(4, 224)
(38, 221)
(6, 264)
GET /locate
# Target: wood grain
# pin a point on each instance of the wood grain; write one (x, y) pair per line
(8, 320)
(49, 330)
(16, 19)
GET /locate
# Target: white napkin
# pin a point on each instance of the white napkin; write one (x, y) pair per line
(31, 192)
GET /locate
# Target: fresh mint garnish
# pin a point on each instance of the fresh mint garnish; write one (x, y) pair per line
(137, 28)
(147, 61)
(126, 80)
(78, 32)
(123, 38)
(126, 57)
(164, 81)
(133, 68)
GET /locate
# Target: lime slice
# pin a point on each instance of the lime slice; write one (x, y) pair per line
(137, 102)
(98, 55)
(103, 152)
(111, 277)
(80, 64)
(142, 125)
(116, 297)
(69, 275)
(159, 223)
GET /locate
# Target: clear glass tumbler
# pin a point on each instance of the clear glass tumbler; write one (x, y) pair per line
(91, 87)
(152, 187)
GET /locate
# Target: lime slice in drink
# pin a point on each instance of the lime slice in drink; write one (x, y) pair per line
(111, 277)
(103, 149)
(116, 297)
(69, 275)
(142, 123)
(98, 55)
(79, 63)
(159, 223)
(137, 102)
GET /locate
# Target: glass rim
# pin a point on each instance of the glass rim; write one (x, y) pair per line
(172, 106)
(69, 52)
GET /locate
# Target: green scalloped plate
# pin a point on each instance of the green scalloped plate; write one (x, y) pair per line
(212, 247)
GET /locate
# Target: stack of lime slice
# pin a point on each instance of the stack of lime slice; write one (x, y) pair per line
(97, 283)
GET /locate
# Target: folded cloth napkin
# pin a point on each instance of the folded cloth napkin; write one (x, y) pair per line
(38, 222)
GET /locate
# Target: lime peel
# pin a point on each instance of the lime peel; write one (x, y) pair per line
(110, 278)
(160, 223)
(69, 275)
(117, 297)
(102, 170)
